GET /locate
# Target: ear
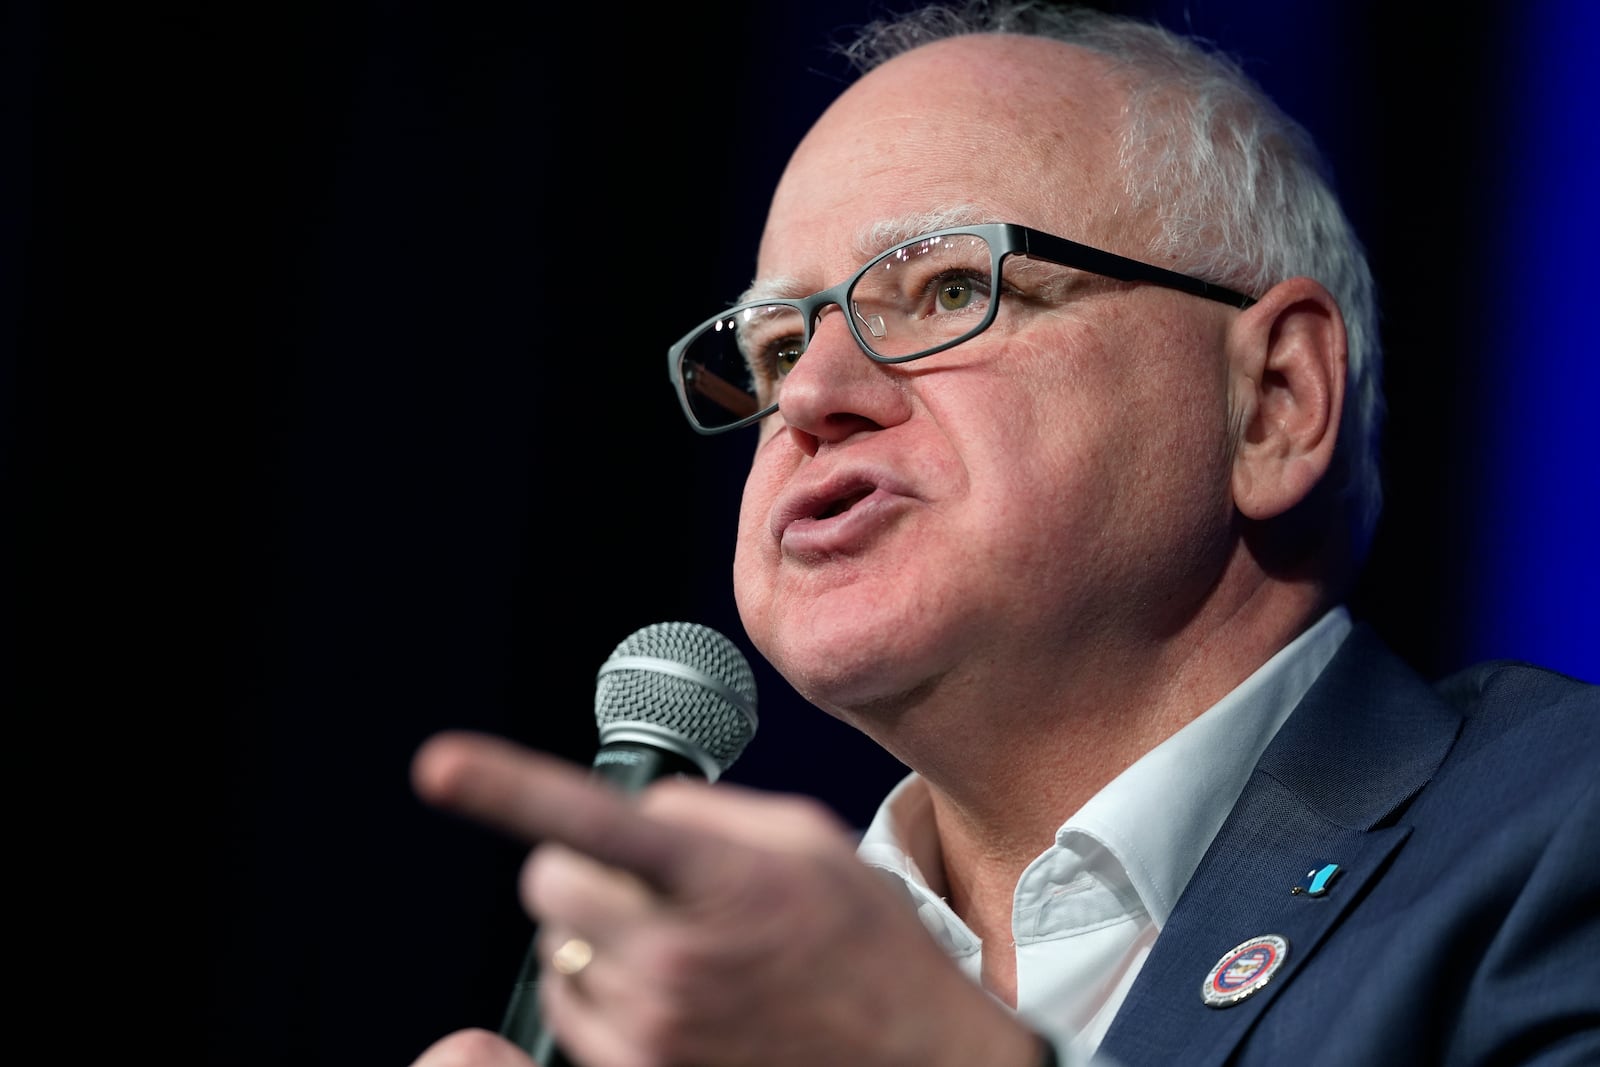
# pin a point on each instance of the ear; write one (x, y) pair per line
(1287, 356)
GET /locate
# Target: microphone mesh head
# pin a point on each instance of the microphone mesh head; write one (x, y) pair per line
(681, 683)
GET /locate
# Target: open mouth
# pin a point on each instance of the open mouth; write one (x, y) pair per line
(844, 503)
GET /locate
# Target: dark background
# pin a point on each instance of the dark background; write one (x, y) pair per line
(341, 417)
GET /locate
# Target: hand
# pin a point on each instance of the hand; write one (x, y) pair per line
(472, 1048)
(728, 926)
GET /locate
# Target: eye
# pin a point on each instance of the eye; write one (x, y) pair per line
(769, 342)
(771, 359)
(785, 356)
(956, 292)
(962, 290)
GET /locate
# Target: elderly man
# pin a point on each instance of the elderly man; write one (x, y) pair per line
(1061, 365)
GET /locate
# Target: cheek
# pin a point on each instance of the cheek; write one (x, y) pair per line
(1095, 432)
(1140, 381)
(1027, 422)
(1029, 452)
(755, 554)
(1166, 454)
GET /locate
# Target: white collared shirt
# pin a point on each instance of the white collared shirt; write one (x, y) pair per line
(1086, 911)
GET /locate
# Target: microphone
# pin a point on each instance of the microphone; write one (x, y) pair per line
(674, 698)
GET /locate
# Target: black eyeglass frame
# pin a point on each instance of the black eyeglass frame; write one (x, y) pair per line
(1004, 239)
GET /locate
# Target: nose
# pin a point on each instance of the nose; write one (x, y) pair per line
(835, 389)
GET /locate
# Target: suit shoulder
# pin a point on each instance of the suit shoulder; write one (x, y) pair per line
(1502, 700)
(1526, 686)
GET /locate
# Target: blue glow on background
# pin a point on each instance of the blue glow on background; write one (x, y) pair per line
(1536, 557)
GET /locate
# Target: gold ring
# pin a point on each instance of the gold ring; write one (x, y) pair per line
(573, 956)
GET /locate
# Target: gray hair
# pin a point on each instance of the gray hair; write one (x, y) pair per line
(1242, 194)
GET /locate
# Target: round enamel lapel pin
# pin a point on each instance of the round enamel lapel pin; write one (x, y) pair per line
(1244, 969)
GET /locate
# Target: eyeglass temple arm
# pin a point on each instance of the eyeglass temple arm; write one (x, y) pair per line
(1085, 257)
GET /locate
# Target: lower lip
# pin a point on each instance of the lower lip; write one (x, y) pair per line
(848, 531)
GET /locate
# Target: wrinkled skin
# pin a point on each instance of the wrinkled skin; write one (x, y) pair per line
(1038, 576)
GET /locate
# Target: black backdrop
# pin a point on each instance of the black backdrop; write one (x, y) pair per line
(371, 400)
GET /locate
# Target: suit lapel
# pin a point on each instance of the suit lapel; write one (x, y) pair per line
(1368, 735)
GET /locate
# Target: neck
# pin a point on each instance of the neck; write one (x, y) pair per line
(1000, 792)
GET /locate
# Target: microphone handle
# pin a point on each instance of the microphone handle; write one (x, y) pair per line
(522, 1025)
(628, 766)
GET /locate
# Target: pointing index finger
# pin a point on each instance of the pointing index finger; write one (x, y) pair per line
(533, 796)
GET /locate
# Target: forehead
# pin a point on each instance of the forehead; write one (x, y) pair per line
(978, 128)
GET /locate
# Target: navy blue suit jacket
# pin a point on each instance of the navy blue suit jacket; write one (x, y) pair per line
(1463, 925)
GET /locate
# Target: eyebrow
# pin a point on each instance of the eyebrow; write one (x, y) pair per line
(886, 233)
(869, 241)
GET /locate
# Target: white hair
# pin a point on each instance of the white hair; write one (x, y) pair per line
(1241, 193)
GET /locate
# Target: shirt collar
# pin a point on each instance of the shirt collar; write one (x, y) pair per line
(1158, 817)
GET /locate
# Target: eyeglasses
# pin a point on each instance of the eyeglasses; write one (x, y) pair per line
(920, 297)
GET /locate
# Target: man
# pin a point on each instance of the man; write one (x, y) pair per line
(1078, 563)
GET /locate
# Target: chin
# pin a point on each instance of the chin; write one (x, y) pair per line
(842, 662)
(841, 640)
